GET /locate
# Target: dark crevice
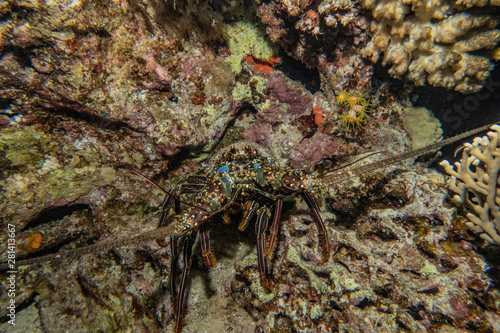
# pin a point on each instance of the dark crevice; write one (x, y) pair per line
(80, 112)
(492, 256)
(414, 311)
(365, 303)
(296, 70)
(53, 103)
(20, 307)
(55, 213)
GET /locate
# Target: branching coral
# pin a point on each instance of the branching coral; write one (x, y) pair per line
(433, 41)
(476, 182)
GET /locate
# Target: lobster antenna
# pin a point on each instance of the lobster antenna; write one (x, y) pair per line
(100, 247)
(166, 192)
(349, 173)
(163, 232)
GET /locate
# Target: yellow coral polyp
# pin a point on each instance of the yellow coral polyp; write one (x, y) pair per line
(352, 119)
(354, 100)
(342, 97)
(350, 98)
(357, 106)
(362, 109)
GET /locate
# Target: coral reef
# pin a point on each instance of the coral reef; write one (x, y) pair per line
(476, 183)
(434, 42)
(91, 91)
(442, 43)
(245, 39)
(294, 124)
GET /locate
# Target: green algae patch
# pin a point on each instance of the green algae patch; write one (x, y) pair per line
(25, 146)
(241, 91)
(39, 171)
(253, 92)
(246, 38)
(428, 268)
(71, 184)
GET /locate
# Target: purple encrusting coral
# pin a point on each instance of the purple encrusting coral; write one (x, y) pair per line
(284, 91)
(314, 149)
(91, 91)
(289, 104)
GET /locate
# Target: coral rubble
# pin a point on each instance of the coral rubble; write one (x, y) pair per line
(476, 183)
(435, 42)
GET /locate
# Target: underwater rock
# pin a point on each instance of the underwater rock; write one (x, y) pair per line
(423, 127)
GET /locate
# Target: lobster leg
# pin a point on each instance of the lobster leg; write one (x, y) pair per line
(174, 241)
(169, 200)
(192, 186)
(187, 260)
(249, 210)
(322, 232)
(174, 249)
(278, 205)
(187, 246)
(165, 207)
(206, 251)
(260, 229)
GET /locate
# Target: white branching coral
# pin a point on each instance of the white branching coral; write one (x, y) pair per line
(434, 41)
(475, 180)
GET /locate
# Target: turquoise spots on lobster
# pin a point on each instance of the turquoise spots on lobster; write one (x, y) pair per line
(226, 181)
(223, 169)
(261, 180)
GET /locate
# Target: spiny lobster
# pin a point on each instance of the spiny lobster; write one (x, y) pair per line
(243, 175)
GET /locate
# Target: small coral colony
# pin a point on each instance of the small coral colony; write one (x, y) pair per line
(267, 115)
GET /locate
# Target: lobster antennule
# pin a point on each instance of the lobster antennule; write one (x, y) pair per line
(167, 193)
(324, 174)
